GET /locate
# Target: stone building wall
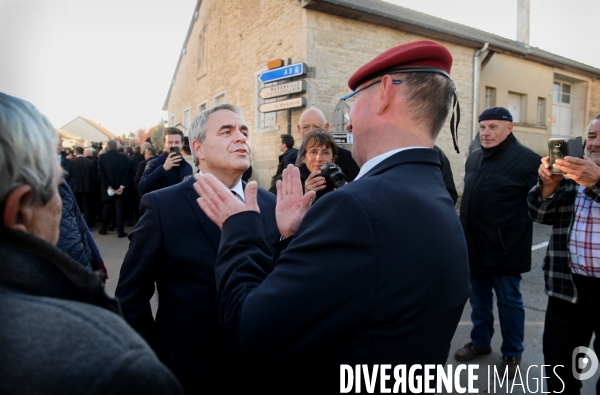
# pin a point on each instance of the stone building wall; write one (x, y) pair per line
(240, 37)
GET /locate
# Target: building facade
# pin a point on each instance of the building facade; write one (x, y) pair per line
(229, 44)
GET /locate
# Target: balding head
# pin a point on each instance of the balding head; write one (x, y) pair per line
(312, 119)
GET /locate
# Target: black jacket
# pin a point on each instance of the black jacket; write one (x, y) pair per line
(447, 174)
(284, 160)
(85, 169)
(114, 170)
(493, 209)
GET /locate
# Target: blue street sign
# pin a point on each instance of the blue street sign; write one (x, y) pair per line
(293, 70)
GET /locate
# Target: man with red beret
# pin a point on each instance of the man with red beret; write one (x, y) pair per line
(373, 273)
(499, 232)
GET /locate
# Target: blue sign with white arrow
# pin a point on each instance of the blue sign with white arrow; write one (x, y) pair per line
(291, 71)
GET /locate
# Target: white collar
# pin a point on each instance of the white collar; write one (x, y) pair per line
(237, 188)
(371, 163)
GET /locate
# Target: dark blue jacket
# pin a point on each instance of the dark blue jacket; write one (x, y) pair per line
(72, 239)
(174, 245)
(377, 273)
(155, 177)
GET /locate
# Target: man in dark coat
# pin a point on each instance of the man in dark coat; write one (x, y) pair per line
(168, 168)
(447, 174)
(286, 146)
(499, 232)
(84, 184)
(61, 333)
(149, 153)
(174, 245)
(374, 272)
(114, 171)
(69, 172)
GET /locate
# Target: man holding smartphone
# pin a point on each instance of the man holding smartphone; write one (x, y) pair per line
(499, 233)
(169, 168)
(570, 202)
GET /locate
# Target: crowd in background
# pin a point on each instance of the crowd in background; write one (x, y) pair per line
(81, 173)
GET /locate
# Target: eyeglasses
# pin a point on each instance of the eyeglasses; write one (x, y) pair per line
(346, 107)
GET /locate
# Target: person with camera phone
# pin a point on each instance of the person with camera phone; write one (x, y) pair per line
(169, 168)
(570, 202)
(318, 172)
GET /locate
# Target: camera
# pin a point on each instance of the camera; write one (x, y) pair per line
(334, 178)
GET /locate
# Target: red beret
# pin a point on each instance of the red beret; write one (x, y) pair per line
(429, 55)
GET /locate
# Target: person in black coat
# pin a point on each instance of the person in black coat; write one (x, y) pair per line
(149, 153)
(286, 146)
(114, 171)
(499, 233)
(174, 245)
(84, 184)
(69, 171)
(447, 174)
(375, 272)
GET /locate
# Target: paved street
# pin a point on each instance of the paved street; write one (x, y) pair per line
(113, 250)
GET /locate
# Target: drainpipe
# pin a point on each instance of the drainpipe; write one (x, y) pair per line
(476, 88)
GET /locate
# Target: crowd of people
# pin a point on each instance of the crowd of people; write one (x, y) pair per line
(274, 292)
(109, 182)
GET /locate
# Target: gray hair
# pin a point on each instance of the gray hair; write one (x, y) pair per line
(27, 150)
(197, 129)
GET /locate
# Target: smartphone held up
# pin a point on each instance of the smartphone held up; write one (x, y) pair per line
(558, 148)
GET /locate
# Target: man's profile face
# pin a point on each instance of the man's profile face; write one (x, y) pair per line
(173, 140)
(493, 132)
(592, 144)
(282, 146)
(226, 146)
(312, 119)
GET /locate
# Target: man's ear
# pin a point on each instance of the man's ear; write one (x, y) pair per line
(197, 150)
(385, 94)
(18, 208)
(327, 127)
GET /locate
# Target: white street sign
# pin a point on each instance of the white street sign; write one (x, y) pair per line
(282, 105)
(283, 89)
